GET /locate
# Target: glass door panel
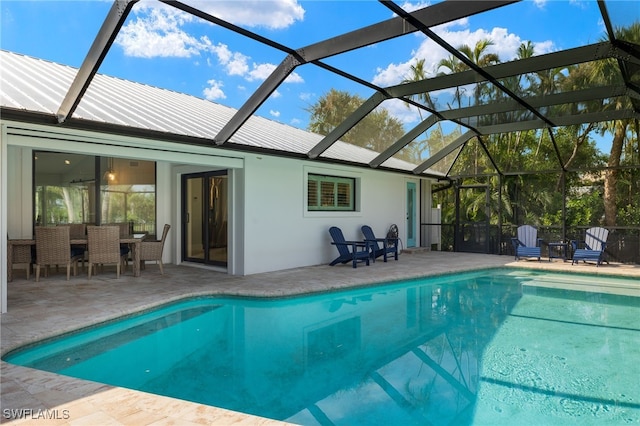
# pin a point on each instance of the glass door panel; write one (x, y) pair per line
(205, 218)
(218, 219)
(194, 226)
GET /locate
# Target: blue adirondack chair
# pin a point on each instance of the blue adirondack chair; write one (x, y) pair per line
(592, 248)
(350, 251)
(389, 245)
(527, 244)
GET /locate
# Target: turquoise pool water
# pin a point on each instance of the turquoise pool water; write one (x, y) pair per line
(489, 347)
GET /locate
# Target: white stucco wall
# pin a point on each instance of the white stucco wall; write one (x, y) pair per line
(281, 234)
(269, 227)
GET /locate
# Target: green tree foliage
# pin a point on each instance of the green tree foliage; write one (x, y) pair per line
(418, 73)
(478, 55)
(376, 131)
(607, 190)
(604, 73)
(531, 162)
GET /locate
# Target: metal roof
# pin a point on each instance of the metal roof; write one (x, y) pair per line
(77, 97)
(33, 85)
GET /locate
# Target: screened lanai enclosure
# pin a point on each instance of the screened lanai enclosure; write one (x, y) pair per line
(546, 135)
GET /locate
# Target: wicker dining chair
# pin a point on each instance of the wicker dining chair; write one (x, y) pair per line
(22, 256)
(103, 247)
(152, 250)
(53, 248)
(125, 249)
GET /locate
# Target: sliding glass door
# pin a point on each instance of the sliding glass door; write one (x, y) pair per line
(205, 217)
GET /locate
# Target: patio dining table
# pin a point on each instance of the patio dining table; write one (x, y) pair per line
(135, 240)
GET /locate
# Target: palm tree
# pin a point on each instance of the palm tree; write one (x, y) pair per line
(606, 72)
(522, 88)
(454, 65)
(480, 57)
(418, 73)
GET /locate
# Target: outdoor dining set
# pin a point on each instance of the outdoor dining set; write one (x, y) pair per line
(70, 244)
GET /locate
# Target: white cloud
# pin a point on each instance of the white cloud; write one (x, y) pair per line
(540, 4)
(274, 113)
(276, 94)
(237, 65)
(392, 74)
(505, 45)
(260, 72)
(306, 96)
(402, 111)
(456, 34)
(544, 47)
(157, 31)
(257, 13)
(214, 91)
(294, 77)
(410, 7)
(158, 34)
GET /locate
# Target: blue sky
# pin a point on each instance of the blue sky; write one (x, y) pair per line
(161, 46)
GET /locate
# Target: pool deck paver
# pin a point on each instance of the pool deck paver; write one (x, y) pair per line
(54, 306)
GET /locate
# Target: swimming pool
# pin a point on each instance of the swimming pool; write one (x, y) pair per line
(489, 347)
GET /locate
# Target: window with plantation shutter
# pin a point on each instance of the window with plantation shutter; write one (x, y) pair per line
(330, 193)
(313, 192)
(344, 194)
(327, 194)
